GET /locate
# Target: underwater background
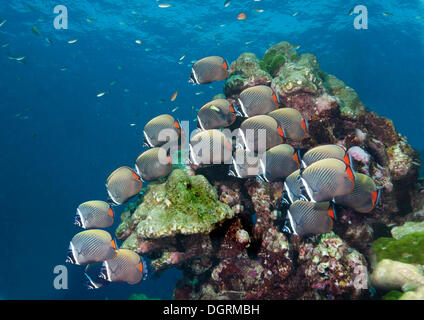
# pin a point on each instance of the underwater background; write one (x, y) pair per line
(60, 141)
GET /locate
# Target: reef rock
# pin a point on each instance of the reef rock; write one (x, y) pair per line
(407, 228)
(183, 205)
(417, 294)
(245, 72)
(333, 267)
(395, 275)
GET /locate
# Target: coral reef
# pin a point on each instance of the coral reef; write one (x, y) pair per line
(226, 233)
(331, 266)
(183, 205)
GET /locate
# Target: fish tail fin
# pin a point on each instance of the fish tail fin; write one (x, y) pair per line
(276, 98)
(350, 172)
(225, 65)
(146, 272)
(305, 125)
(114, 243)
(296, 157)
(378, 196)
(233, 108)
(281, 132)
(332, 210)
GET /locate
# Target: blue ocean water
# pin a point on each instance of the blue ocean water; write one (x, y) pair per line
(59, 141)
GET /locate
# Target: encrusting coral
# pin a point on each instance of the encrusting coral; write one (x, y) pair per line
(226, 233)
(395, 275)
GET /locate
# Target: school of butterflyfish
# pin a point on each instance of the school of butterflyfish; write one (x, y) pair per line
(313, 183)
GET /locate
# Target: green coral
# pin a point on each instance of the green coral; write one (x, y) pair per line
(408, 249)
(141, 296)
(392, 295)
(272, 62)
(184, 204)
(276, 56)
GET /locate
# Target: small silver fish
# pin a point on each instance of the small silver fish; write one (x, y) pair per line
(164, 5)
(2, 23)
(72, 41)
(20, 58)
